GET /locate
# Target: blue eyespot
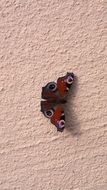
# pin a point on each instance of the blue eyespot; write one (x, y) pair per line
(52, 86)
(49, 113)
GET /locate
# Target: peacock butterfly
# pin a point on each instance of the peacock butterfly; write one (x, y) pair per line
(53, 96)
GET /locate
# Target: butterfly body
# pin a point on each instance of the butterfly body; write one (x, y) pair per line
(53, 97)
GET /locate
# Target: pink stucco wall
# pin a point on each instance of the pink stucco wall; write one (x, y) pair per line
(41, 40)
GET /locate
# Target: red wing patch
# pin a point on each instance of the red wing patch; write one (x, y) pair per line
(58, 118)
(57, 115)
(62, 87)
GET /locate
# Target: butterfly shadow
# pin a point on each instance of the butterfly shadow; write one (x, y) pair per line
(72, 123)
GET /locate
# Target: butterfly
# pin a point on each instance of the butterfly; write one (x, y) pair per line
(53, 97)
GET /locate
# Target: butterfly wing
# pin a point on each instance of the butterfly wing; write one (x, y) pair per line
(49, 91)
(55, 113)
(58, 118)
(64, 83)
(58, 90)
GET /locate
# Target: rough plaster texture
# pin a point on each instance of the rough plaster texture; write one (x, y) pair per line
(40, 41)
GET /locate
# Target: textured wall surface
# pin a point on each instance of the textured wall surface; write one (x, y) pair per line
(41, 40)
